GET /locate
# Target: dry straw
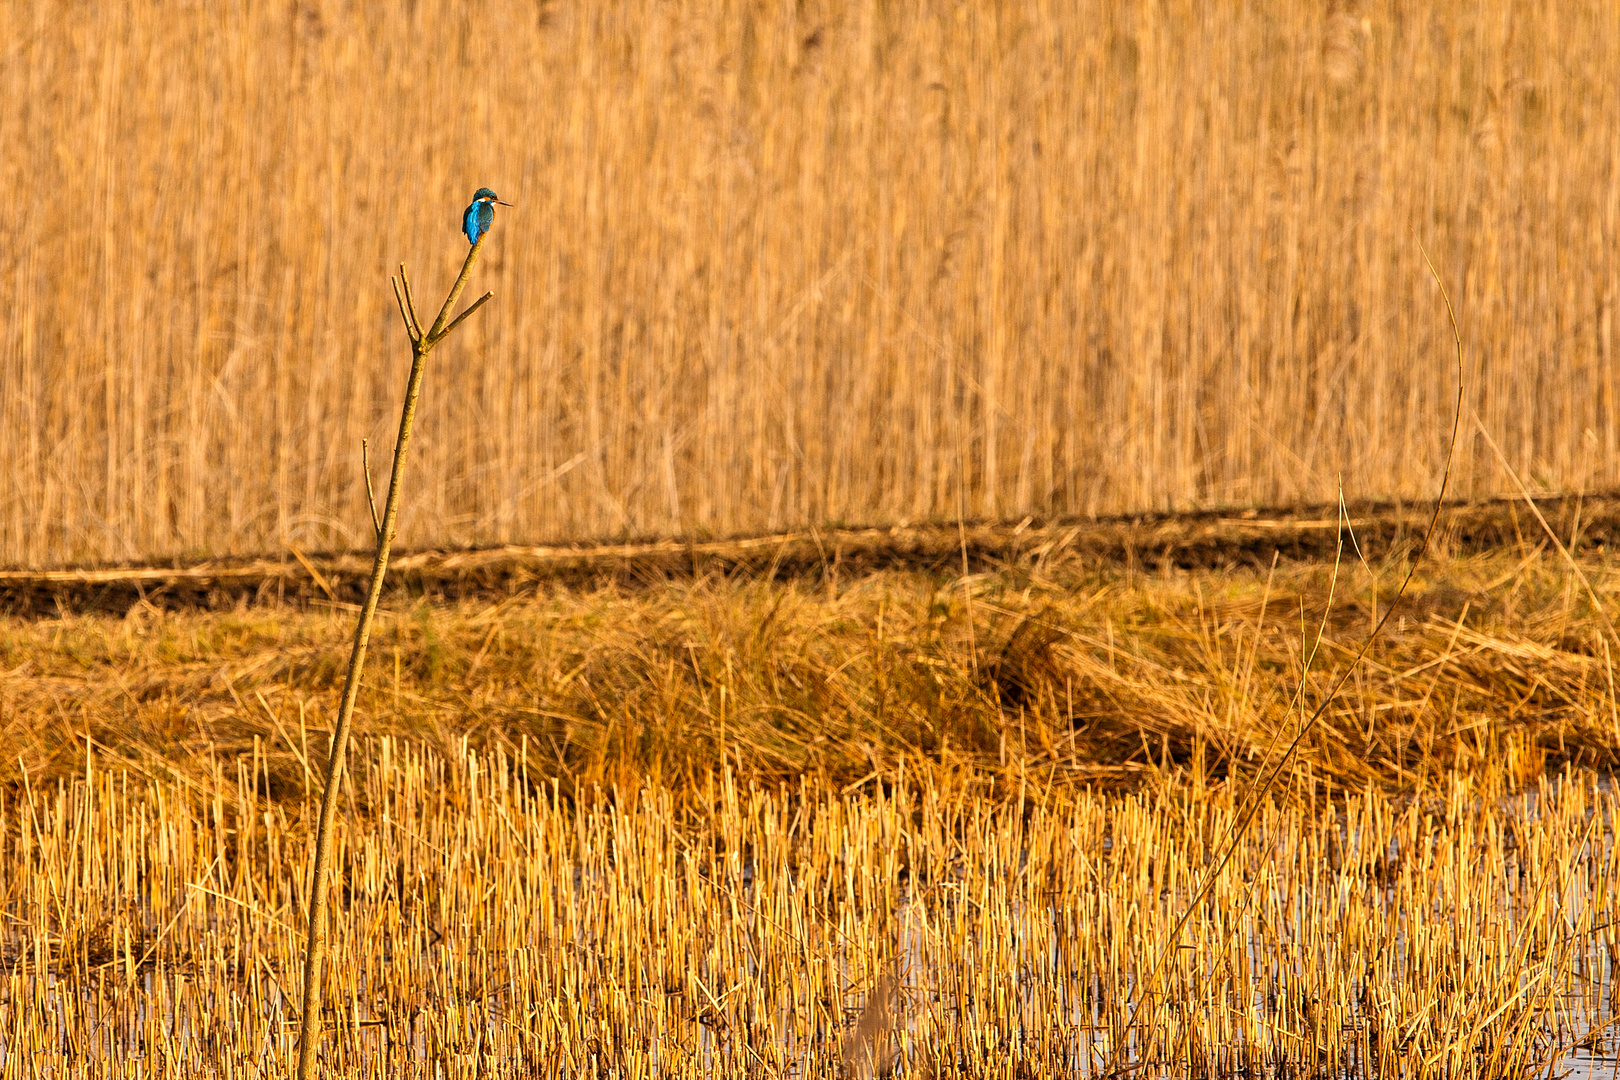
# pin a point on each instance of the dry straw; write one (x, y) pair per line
(493, 928)
(1098, 674)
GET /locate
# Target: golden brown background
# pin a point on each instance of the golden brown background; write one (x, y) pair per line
(783, 263)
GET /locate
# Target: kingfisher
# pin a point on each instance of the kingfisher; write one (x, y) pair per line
(480, 214)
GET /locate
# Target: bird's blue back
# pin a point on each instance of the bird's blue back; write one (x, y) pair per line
(477, 220)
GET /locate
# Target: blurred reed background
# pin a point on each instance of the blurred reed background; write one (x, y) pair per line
(786, 263)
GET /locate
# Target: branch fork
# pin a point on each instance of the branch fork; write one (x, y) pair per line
(422, 343)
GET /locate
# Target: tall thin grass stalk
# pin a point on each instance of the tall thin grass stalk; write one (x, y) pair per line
(421, 345)
(1541, 519)
(1252, 801)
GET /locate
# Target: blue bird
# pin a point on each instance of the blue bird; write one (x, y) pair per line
(480, 214)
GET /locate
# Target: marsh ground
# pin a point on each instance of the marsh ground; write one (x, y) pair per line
(729, 821)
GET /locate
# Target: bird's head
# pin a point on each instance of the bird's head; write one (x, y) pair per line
(484, 195)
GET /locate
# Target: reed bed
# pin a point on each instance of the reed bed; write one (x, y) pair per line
(489, 926)
(789, 264)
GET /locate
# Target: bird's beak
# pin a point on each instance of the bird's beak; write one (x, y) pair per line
(503, 203)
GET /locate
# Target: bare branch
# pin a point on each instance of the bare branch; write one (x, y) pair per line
(309, 1036)
(474, 306)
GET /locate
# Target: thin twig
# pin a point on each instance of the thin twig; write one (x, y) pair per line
(474, 306)
(410, 304)
(436, 334)
(371, 496)
(404, 315)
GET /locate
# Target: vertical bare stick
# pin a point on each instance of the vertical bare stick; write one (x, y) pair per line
(410, 304)
(315, 955)
(371, 496)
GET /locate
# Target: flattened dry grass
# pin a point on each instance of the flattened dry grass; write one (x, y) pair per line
(1095, 675)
